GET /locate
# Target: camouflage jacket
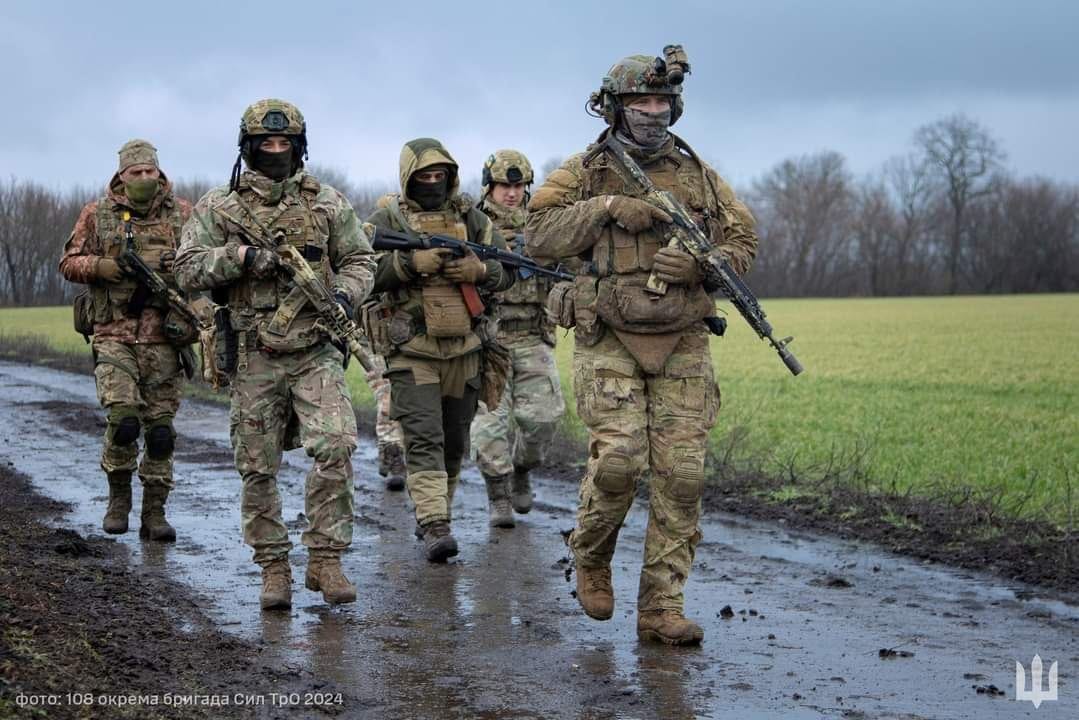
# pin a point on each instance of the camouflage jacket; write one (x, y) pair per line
(100, 232)
(568, 218)
(520, 309)
(316, 218)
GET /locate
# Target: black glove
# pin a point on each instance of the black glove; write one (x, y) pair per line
(260, 262)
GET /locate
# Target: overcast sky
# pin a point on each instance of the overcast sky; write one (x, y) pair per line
(771, 79)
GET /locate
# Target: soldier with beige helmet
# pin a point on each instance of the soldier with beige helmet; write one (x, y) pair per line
(284, 371)
(512, 439)
(642, 366)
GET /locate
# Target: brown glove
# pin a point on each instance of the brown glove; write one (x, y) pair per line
(167, 259)
(635, 215)
(676, 267)
(109, 270)
(467, 269)
(429, 262)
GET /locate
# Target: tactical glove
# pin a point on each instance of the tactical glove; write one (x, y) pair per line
(634, 215)
(109, 270)
(467, 269)
(167, 259)
(676, 267)
(428, 262)
(260, 262)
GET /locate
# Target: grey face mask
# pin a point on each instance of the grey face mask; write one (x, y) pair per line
(648, 129)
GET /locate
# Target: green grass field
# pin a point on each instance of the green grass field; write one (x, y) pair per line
(935, 394)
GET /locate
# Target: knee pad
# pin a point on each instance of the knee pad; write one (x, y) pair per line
(160, 441)
(615, 473)
(125, 430)
(687, 479)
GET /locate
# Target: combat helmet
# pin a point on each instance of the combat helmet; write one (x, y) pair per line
(642, 75)
(270, 117)
(506, 166)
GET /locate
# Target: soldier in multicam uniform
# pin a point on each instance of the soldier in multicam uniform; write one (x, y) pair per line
(642, 368)
(512, 439)
(137, 370)
(286, 372)
(432, 344)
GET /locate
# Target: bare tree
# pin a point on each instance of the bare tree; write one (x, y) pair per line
(966, 158)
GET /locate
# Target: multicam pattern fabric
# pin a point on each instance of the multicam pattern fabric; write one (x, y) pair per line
(143, 381)
(311, 385)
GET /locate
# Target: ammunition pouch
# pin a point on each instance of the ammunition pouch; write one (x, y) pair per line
(560, 304)
(179, 331)
(83, 310)
(625, 304)
(444, 311)
(226, 350)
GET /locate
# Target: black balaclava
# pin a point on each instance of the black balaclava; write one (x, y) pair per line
(429, 196)
(275, 165)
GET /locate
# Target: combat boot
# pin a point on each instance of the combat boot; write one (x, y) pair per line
(324, 573)
(391, 465)
(521, 491)
(115, 521)
(594, 592)
(668, 626)
(276, 586)
(154, 525)
(438, 543)
(498, 501)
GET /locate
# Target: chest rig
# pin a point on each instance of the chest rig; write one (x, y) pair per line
(682, 174)
(520, 309)
(151, 237)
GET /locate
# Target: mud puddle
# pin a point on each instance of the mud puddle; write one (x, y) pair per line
(497, 634)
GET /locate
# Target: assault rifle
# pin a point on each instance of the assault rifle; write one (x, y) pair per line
(390, 240)
(333, 320)
(683, 233)
(151, 284)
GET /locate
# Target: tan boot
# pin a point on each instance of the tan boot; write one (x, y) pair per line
(595, 593)
(115, 521)
(324, 573)
(391, 465)
(498, 501)
(438, 543)
(154, 525)
(521, 491)
(276, 586)
(668, 626)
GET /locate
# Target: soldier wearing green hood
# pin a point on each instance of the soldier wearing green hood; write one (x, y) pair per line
(432, 343)
(642, 365)
(136, 368)
(284, 372)
(512, 439)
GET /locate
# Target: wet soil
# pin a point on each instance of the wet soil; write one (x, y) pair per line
(797, 625)
(82, 628)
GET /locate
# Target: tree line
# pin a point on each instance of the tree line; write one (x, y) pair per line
(944, 218)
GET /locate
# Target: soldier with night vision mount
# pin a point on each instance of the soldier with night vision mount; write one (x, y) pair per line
(642, 366)
(510, 440)
(286, 377)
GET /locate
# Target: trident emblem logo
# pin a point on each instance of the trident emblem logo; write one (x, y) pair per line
(1036, 694)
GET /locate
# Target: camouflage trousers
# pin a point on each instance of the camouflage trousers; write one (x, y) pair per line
(140, 381)
(643, 425)
(387, 430)
(307, 388)
(519, 431)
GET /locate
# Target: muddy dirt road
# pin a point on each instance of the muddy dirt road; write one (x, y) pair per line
(497, 634)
